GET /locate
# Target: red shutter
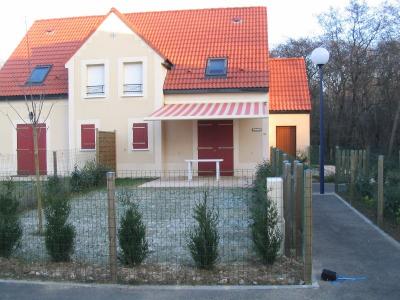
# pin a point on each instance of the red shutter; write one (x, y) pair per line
(88, 136)
(140, 136)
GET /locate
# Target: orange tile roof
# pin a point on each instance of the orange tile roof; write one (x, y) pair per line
(187, 38)
(288, 86)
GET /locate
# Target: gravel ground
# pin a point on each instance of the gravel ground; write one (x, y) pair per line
(168, 216)
(167, 213)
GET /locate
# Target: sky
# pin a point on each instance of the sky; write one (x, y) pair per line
(286, 18)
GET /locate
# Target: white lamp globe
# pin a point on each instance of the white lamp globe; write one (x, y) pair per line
(320, 56)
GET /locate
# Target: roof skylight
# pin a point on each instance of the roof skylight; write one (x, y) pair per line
(39, 74)
(216, 67)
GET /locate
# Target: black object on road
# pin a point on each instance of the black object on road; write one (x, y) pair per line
(328, 275)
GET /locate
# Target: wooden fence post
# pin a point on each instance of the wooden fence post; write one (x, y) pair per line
(298, 207)
(285, 157)
(273, 160)
(112, 226)
(367, 157)
(352, 174)
(279, 162)
(287, 207)
(97, 146)
(337, 168)
(380, 191)
(308, 233)
(55, 163)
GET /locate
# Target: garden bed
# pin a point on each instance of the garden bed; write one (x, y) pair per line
(168, 216)
(284, 272)
(389, 225)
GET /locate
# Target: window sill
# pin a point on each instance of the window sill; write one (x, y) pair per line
(88, 150)
(95, 97)
(134, 150)
(132, 95)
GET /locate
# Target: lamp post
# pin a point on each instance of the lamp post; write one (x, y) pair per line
(320, 57)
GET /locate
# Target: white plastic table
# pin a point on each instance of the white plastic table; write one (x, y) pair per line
(190, 166)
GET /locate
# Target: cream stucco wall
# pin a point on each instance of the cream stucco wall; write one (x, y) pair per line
(302, 123)
(112, 44)
(56, 139)
(180, 142)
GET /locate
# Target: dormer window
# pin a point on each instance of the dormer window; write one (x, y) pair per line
(39, 74)
(216, 67)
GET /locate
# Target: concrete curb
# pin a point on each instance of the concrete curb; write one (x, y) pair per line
(391, 240)
(68, 284)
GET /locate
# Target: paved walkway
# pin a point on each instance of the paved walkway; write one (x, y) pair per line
(343, 242)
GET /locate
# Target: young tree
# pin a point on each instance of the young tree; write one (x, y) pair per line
(59, 235)
(132, 237)
(204, 238)
(38, 113)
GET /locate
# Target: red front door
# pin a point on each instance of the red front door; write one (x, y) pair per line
(25, 153)
(215, 141)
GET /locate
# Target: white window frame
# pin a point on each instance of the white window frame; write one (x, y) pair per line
(149, 135)
(96, 123)
(121, 71)
(84, 70)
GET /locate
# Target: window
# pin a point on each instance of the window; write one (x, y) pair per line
(140, 136)
(216, 67)
(133, 78)
(88, 136)
(39, 74)
(95, 80)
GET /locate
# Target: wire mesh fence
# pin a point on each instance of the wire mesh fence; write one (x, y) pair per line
(62, 161)
(167, 229)
(371, 183)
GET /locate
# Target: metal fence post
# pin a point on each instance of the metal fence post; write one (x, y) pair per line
(308, 233)
(287, 206)
(55, 163)
(380, 191)
(112, 227)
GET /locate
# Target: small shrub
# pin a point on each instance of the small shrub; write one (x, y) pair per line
(204, 238)
(368, 201)
(301, 156)
(264, 228)
(263, 170)
(392, 200)
(264, 213)
(92, 175)
(364, 186)
(10, 226)
(59, 235)
(132, 237)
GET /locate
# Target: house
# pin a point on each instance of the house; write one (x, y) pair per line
(173, 85)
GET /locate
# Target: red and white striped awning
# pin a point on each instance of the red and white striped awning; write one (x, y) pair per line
(210, 111)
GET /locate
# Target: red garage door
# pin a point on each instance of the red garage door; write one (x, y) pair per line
(25, 153)
(215, 141)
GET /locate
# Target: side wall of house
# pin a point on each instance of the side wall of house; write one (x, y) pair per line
(56, 138)
(302, 123)
(112, 44)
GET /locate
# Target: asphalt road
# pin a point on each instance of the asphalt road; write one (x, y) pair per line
(343, 242)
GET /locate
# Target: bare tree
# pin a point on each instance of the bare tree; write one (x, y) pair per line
(35, 109)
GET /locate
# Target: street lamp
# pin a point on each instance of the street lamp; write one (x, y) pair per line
(320, 57)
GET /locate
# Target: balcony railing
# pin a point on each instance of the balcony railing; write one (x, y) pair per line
(133, 88)
(95, 90)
